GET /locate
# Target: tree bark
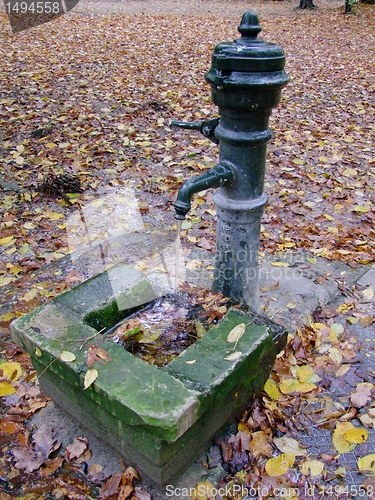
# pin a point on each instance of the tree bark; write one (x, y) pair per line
(306, 4)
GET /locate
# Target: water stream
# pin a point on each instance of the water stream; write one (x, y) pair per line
(177, 257)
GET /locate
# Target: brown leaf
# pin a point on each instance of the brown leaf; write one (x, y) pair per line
(96, 354)
(76, 449)
(260, 444)
(51, 466)
(362, 395)
(141, 494)
(110, 487)
(44, 440)
(27, 459)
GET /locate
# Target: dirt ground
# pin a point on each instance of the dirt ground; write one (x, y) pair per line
(193, 7)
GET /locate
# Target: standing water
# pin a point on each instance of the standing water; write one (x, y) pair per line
(177, 257)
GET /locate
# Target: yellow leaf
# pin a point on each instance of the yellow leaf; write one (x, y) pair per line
(361, 209)
(278, 466)
(367, 420)
(90, 377)
(340, 471)
(234, 356)
(314, 467)
(349, 172)
(6, 389)
(30, 295)
(357, 435)
(38, 352)
(289, 445)
(306, 374)
(5, 280)
(203, 491)
(280, 264)
(342, 370)
(339, 440)
(11, 371)
(15, 270)
(323, 159)
(368, 293)
(6, 240)
(271, 389)
(348, 138)
(49, 214)
(67, 356)
(366, 464)
(335, 355)
(312, 260)
(236, 333)
(291, 385)
(191, 362)
(29, 225)
(193, 264)
(6, 317)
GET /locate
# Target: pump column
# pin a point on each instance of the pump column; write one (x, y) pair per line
(246, 79)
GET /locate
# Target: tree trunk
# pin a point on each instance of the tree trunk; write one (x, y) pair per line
(306, 4)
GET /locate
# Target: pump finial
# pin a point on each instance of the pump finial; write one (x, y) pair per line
(250, 26)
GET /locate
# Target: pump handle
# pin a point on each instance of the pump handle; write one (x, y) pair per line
(205, 127)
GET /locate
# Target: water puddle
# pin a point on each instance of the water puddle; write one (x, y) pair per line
(159, 332)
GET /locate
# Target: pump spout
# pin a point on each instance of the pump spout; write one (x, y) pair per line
(221, 174)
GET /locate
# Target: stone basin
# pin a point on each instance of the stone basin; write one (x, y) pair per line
(158, 419)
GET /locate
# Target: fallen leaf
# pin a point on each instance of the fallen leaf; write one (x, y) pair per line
(341, 444)
(76, 449)
(362, 395)
(11, 370)
(203, 491)
(289, 445)
(271, 390)
(67, 356)
(90, 377)
(260, 444)
(312, 467)
(27, 459)
(278, 466)
(366, 465)
(306, 374)
(234, 356)
(357, 435)
(366, 419)
(236, 333)
(97, 354)
(6, 389)
(368, 293)
(291, 385)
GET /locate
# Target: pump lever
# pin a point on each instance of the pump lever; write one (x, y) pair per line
(205, 127)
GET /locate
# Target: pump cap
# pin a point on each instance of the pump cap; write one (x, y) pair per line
(248, 53)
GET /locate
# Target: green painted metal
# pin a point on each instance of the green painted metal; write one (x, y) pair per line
(246, 79)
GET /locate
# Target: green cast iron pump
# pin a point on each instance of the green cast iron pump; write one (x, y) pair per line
(246, 79)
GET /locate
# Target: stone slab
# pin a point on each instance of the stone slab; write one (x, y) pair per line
(159, 419)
